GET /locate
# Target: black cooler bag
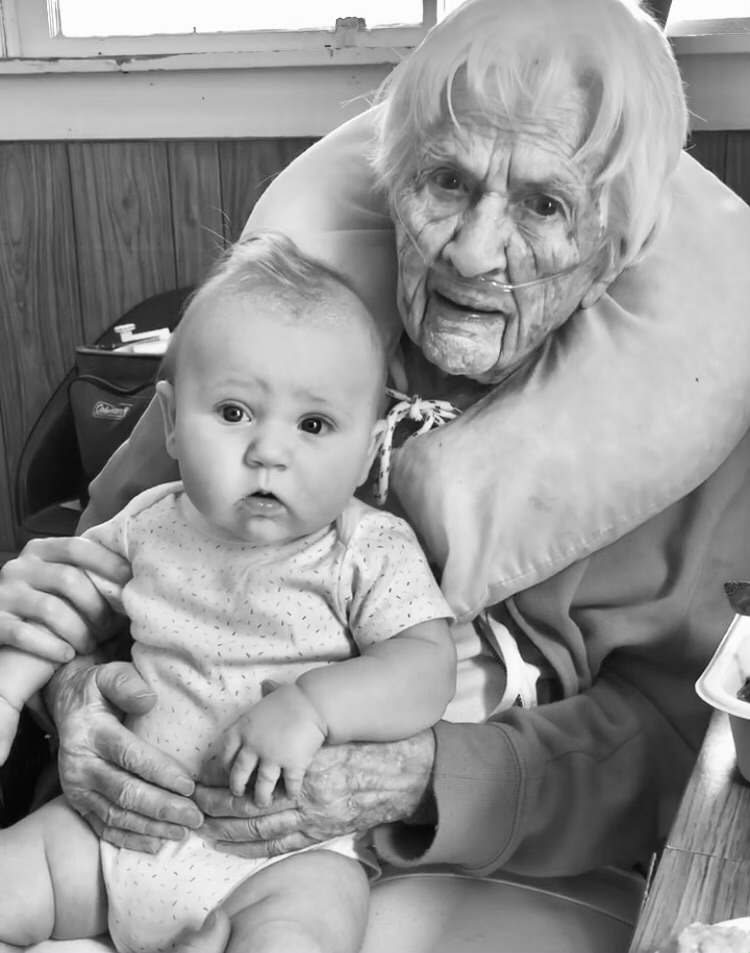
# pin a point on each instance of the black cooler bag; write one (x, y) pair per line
(110, 393)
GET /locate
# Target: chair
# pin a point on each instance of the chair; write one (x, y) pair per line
(50, 482)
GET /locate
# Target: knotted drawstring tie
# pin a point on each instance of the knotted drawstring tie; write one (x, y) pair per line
(431, 413)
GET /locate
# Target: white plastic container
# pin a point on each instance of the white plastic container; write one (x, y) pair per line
(723, 677)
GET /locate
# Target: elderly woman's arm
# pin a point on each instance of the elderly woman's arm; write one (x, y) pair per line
(592, 779)
(596, 778)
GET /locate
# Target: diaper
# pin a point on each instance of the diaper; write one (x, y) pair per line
(153, 897)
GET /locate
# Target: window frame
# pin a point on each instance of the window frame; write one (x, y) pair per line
(27, 47)
(709, 34)
(25, 27)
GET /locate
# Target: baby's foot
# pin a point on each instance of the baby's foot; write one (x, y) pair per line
(9, 717)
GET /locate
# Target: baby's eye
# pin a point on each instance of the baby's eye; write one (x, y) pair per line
(233, 413)
(314, 425)
(543, 205)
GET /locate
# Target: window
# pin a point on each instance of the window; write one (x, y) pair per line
(713, 10)
(96, 29)
(693, 17)
(81, 18)
(130, 35)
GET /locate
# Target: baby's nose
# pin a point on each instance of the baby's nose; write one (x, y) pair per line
(267, 448)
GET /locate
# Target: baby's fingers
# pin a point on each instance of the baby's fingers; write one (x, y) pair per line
(293, 782)
(243, 766)
(268, 776)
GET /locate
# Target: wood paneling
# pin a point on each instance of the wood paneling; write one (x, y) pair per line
(247, 168)
(123, 223)
(40, 319)
(87, 230)
(737, 173)
(710, 149)
(90, 229)
(197, 209)
(7, 532)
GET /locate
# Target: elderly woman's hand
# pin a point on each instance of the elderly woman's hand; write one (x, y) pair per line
(347, 788)
(48, 605)
(132, 794)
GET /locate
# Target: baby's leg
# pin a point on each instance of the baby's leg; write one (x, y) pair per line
(51, 878)
(316, 901)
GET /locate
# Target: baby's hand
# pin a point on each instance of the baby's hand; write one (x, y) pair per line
(280, 736)
(9, 717)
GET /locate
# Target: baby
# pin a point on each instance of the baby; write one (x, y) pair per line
(259, 567)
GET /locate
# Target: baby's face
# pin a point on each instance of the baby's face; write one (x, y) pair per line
(275, 419)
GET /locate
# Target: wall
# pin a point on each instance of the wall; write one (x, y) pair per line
(91, 228)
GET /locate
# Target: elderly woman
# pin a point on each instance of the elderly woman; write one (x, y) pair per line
(553, 249)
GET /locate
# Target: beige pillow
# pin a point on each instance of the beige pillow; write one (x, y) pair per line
(633, 404)
(630, 407)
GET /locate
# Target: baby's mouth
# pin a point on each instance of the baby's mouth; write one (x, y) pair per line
(262, 502)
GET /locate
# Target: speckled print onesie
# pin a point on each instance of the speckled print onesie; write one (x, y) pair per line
(212, 620)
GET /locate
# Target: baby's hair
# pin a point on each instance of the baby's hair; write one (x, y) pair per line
(261, 257)
(511, 55)
(276, 256)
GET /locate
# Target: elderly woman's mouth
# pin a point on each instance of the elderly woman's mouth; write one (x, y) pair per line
(465, 305)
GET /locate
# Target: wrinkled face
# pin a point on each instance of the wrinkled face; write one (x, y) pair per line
(274, 415)
(491, 202)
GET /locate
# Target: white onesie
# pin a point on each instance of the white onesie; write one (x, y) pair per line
(212, 620)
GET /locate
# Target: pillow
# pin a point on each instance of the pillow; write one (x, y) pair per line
(631, 405)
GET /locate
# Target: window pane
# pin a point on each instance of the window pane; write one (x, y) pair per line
(143, 17)
(708, 10)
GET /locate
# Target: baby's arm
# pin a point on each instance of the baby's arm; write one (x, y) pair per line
(21, 676)
(392, 690)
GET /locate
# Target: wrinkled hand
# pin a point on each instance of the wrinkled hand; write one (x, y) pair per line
(347, 788)
(119, 784)
(48, 605)
(279, 736)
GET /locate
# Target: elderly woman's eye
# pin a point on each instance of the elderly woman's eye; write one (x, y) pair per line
(233, 413)
(447, 180)
(543, 205)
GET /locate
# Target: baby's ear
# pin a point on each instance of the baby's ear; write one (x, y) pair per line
(165, 396)
(376, 439)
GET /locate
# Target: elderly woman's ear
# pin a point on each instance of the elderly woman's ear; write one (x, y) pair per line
(610, 271)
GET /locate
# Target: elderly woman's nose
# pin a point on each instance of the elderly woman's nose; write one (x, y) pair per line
(478, 244)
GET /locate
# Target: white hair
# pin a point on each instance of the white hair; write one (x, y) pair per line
(513, 55)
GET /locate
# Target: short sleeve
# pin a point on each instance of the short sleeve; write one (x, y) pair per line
(116, 535)
(390, 584)
(113, 536)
